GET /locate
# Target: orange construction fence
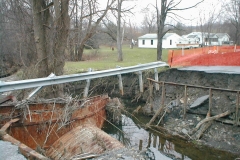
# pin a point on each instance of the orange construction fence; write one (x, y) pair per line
(205, 56)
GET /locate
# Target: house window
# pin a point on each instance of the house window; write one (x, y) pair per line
(143, 42)
(151, 42)
(170, 42)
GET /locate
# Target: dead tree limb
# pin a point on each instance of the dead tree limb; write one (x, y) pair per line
(211, 118)
(202, 129)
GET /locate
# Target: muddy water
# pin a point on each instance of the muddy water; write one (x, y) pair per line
(157, 146)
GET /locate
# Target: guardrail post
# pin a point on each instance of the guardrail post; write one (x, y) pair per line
(156, 79)
(120, 83)
(140, 81)
(86, 89)
(237, 107)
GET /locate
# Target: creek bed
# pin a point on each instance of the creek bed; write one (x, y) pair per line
(157, 146)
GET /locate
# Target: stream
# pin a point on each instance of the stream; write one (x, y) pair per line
(158, 147)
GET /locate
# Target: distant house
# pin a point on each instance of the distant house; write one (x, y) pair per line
(148, 41)
(223, 38)
(193, 38)
(207, 39)
(169, 40)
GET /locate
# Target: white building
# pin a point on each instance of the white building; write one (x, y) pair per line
(148, 41)
(169, 40)
(223, 38)
(207, 39)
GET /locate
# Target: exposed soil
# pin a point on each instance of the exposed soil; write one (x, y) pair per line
(219, 135)
(223, 136)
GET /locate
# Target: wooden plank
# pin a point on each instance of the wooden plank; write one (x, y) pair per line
(210, 102)
(160, 108)
(237, 107)
(156, 78)
(185, 102)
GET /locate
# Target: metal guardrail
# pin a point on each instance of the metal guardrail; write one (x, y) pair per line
(30, 83)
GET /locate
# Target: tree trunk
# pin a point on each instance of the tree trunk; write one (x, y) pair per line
(91, 29)
(40, 38)
(119, 35)
(55, 44)
(62, 26)
(80, 51)
(159, 46)
(161, 17)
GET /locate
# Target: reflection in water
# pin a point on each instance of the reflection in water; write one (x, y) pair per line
(160, 148)
(132, 135)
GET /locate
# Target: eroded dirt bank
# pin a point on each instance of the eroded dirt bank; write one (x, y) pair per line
(219, 133)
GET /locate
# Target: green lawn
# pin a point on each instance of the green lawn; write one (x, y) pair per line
(105, 58)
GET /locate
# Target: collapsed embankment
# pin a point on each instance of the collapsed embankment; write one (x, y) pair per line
(221, 133)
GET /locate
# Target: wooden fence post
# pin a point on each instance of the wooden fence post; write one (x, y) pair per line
(237, 107)
(151, 94)
(160, 108)
(185, 102)
(156, 78)
(210, 102)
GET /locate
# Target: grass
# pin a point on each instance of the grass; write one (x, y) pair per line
(104, 58)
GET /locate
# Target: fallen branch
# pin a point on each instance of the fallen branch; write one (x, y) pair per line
(6, 125)
(162, 117)
(203, 128)
(211, 118)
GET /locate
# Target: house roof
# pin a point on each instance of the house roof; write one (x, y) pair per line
(221, 35)
(191, 36)
(205, 34)
(154, 36)
(149, 36)
(168, 35)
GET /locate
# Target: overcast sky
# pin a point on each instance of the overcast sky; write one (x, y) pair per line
(204, 8)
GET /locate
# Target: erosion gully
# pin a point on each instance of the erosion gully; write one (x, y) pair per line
(157, 146)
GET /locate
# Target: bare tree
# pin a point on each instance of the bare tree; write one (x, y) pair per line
(232, 12)
(149, 23)
(207, 24)
(119, 33)
(110, 29)
(50, 25)
(166, 8)
(88, 21)
(16, 38)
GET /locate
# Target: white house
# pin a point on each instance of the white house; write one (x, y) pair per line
(193, 38)
(169, 40)
(223, 38)
(148, 41)
(206, 39)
